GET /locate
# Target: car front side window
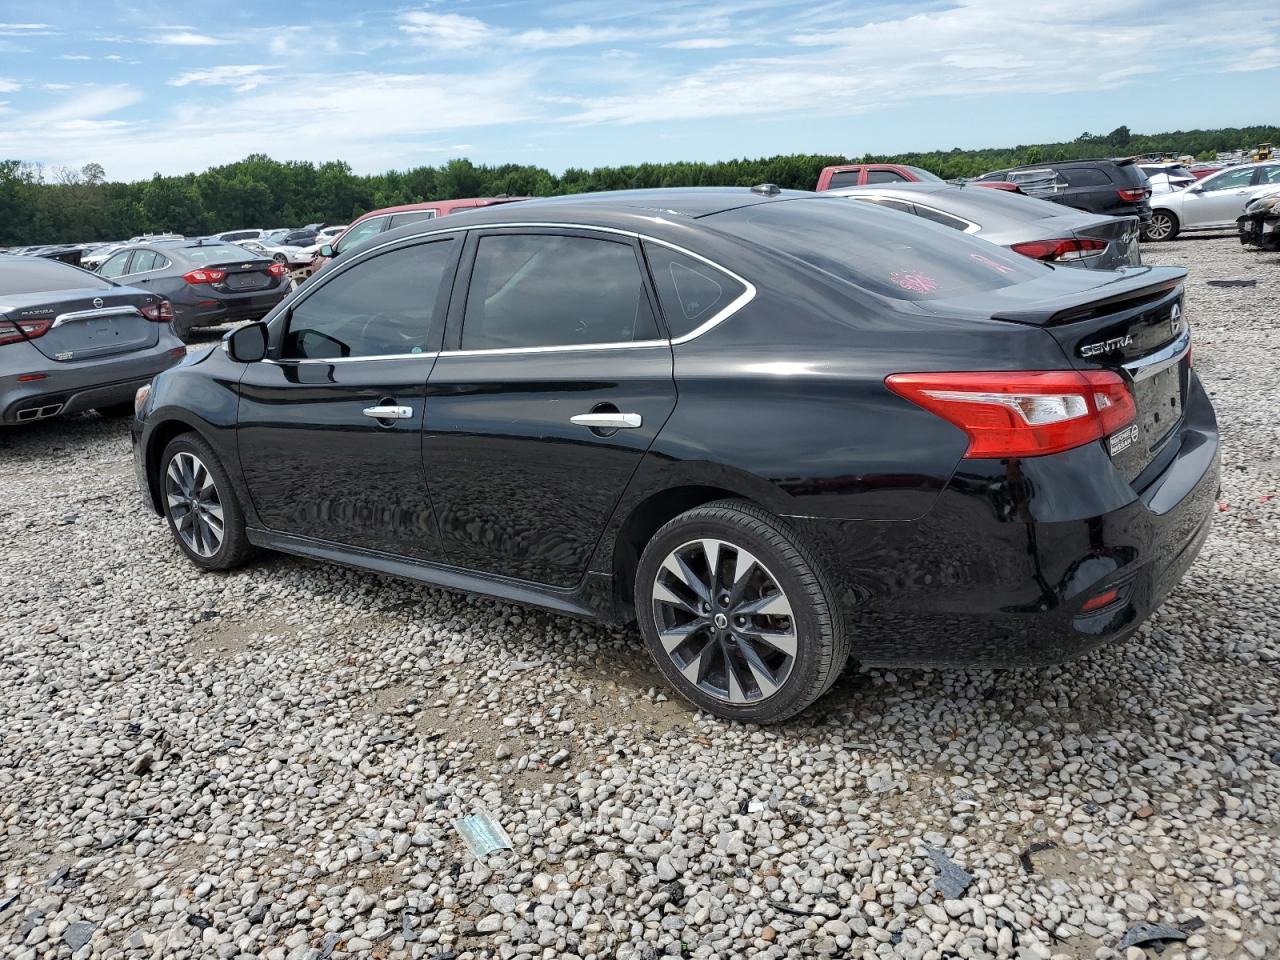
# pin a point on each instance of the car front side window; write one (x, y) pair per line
(382, 306)
(362, 231)
(1229, 181)
(549, 290)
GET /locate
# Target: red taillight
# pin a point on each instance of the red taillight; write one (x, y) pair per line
(277, 269)
(1132, 195)
(1100, 601)
(1024, 413)
(1068, 248)
(161, 312)
(204, 276)
(15, 331)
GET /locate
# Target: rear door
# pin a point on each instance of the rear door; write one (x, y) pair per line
(554, 381)
(1219, 200)
(330, 426)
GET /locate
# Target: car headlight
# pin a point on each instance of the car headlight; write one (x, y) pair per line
(140, 400)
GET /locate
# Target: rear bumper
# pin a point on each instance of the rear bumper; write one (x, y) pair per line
(215, 309)
(74, 386)
(997, 573)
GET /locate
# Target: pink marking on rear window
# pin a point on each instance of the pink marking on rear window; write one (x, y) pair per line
(915, 282)
(988, 262)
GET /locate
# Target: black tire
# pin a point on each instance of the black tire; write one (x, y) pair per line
(1162, 226)
(821, 647)
(234, 548)
(116, 410)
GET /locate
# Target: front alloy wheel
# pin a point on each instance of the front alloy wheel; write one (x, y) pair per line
(201, 504)
(194, 504)
(724, 621)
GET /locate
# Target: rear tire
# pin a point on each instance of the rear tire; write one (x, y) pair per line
(1163, 226)
(738, 614)
(201, 506)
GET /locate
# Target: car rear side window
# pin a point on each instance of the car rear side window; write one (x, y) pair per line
(885, 176)
(547, 290)
(889, 202)
(115, 266)
(878, 250)
(1085, 177)
(844, 178)
(413, 216)
(690, 291)
(40, 275)
(946, 219)
(144, 260)
(1269, 175)
(383, 306)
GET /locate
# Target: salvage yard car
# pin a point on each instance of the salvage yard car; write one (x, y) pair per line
(1034, 228)
(72, 341)
(774, 429)
(1117, 188)
(1212, 204)
(208, 283)
(1259, 225)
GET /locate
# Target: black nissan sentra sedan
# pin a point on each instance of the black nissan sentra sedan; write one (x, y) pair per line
(774, 430)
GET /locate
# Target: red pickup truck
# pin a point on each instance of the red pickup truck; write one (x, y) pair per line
(862, 174)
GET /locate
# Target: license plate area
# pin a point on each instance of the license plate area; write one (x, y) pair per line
(1160, 406)
(246, 281)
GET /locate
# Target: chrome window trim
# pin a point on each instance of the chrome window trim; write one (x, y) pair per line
(286, 362)
(748, 294)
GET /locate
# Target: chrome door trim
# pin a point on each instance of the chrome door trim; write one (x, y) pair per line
(608, 421)
(75, 315)
(388, 412)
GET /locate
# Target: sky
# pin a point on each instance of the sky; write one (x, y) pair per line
(171, 88)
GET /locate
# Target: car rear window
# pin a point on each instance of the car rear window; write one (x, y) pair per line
(216, 253)
(844, 178)
(879, 250)
(36, 275)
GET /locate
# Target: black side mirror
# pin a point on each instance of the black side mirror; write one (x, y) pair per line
(327, 251)
(247, 344)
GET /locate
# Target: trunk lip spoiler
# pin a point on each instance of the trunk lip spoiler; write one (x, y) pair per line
(71, 317)
(1079, 306)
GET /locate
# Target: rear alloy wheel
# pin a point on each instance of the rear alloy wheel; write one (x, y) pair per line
(1163, 226)
(201, 506)
(735, 613)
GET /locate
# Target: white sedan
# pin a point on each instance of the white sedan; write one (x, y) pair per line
(1213, 203)
(293, 256)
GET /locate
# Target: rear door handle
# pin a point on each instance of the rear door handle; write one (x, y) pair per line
(389, 412)
(608, 421)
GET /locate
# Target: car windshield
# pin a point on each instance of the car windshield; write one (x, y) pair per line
(215, 253)
(905, 258)
(924, 175)
(36, 276)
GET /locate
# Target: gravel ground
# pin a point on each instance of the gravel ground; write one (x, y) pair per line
(269, 764)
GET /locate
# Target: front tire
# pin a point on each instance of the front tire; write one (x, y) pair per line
(1163, 226)
(737, 613)
(201, 506)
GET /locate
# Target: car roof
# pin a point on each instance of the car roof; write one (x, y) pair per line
(653, 212)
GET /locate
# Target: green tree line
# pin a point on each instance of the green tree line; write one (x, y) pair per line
(65, 205)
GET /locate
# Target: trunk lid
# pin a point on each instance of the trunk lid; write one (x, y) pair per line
(1132, 324)
(1121, 236)
(88, 324)
(244, 276)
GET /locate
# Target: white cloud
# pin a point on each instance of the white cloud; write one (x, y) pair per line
(445, 31)
(9, 86)
(27, 30)
(57, 86)
(574, 36)
(242, 77)
(702, 43)
(187, 39)
(75, 56)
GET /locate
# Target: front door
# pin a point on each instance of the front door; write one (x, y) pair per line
(554, 381)
(330, 427)
(1219, 200)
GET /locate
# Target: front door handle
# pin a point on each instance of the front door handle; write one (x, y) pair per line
(607, 421)
(390, 412)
